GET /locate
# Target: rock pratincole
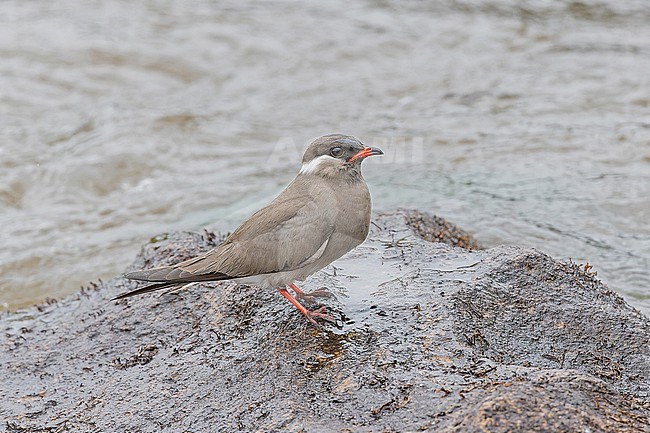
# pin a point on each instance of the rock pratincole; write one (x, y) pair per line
(321, 215)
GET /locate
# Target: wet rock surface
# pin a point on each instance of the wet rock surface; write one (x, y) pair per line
(429, 337)
(436, 229)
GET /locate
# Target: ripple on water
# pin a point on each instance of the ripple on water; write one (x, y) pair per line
(524, 123)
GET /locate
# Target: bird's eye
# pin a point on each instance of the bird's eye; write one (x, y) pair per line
(336, 152)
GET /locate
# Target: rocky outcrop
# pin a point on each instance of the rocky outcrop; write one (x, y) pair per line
(430, 337)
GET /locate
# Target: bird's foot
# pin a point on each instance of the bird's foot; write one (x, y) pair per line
(319, 313)
(323, 292)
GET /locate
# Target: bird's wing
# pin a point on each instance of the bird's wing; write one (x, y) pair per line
(285, 235)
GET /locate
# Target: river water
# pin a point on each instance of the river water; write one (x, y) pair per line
(523, 122)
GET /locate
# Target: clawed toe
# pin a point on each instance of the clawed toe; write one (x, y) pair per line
(320, 313)
(323, 292)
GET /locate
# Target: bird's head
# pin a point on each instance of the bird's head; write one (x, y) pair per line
(336, 154)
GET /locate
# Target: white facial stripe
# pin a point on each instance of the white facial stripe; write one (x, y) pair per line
(313, 165)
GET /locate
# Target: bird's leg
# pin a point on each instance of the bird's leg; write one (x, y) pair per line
(323, 292)
(310, 315)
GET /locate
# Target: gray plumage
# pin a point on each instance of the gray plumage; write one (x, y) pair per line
(321, 215)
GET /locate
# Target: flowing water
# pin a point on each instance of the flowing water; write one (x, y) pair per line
(524, 122)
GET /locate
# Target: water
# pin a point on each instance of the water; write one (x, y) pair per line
(523, 122)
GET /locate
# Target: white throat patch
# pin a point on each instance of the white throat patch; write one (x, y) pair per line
(315, 163)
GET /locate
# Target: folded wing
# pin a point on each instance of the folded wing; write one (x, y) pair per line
(283, 236)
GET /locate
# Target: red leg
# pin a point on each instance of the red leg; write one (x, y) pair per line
(296, 290)
(310, 315)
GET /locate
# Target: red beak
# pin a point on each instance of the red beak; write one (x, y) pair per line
(365, 152)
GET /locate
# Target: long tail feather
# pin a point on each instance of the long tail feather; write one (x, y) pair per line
(146, 289)
(144, 275)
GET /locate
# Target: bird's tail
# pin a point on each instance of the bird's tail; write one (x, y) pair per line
(167, 277)
(146, 289)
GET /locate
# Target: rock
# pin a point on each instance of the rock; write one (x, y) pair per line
(436, 229)
(430, 337)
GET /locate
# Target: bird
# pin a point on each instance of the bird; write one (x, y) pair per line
(320, 216)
